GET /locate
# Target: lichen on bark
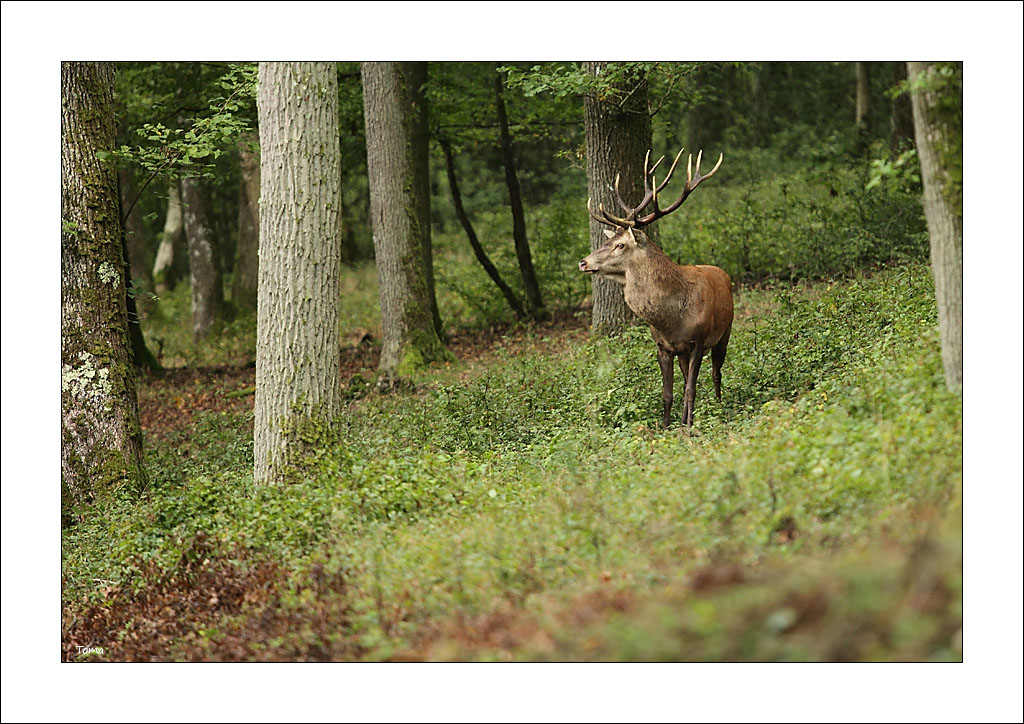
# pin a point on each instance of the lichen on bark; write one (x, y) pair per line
(101, 441)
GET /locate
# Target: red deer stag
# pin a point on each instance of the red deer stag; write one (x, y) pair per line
(689, 308)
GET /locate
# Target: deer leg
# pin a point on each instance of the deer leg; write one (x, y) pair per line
(696, 353)
(684, 367)
(665, 362)
(717, 358)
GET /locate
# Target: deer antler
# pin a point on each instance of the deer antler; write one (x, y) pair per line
(651, 190)
(691, 183)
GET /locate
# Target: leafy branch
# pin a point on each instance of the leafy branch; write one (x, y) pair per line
(182, 151)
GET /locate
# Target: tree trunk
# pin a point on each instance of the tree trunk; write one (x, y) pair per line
(534, 303)
(938, 127)
(243, 290)
(863, 117)
(481, 255)
(410, 339)
(204, 258)
(170, 264)
(298, 319)
(902, 125)
(617, 140)
(101, 442)
(415, 80)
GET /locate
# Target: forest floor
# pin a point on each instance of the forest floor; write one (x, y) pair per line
(521, 503)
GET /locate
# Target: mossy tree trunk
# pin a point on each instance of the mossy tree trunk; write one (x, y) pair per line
(204, 258)
(101, 442)
(298, 316)
(171, 255)
(243, 288)
(618, 135)
(938, 127)
(410, 339)
(534, 302)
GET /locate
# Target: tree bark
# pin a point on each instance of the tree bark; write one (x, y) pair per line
(938, 127)
(101, 441)
(534, 303)
(243, 289)
(617, 139)
(299, 316)
(478, 250)
(170, 264)
(204, 258)
(410, 339)
(415, 80)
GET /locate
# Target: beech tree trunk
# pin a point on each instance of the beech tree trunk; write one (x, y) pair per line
(534, 303)
(938, 127)
(204, 258)
(171, 255)
(101, 442)
(410, 339)
(617, 140)
(298, 318)
(243, 288)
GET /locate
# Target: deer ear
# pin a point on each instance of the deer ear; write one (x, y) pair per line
(629, 230)
(608, 233)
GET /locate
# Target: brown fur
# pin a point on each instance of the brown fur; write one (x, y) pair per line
(689, 308)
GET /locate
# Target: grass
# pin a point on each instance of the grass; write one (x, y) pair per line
(526, 506)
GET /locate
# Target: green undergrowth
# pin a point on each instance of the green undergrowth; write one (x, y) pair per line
(546, 474)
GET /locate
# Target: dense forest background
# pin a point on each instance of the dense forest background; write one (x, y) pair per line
(516, 500)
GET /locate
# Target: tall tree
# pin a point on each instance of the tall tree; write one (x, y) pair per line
(534, 303)
(410, 338)
(618, 132)
(937, 96)
(171, 261)
(243, 289)
(101, 442)
(204, 257)
(299, 315)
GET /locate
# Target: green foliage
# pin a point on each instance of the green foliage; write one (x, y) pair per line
(546, 472)
(167, 331)
(184, 151)
(534, 479)
(807, 217)
(903, 172)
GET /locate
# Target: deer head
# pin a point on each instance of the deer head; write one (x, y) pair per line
(626, 237)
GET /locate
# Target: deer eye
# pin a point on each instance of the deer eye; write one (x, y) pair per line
(620, 245)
